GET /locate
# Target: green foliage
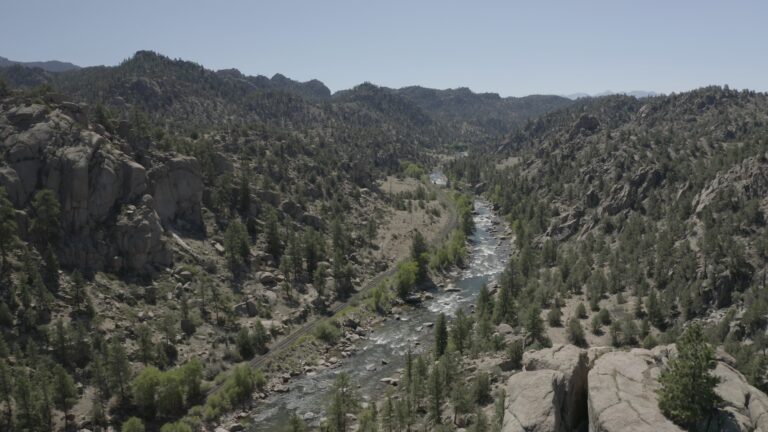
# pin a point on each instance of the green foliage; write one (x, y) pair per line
(420, 256)
(167, 393)
(328, 331)
(481, 389)
(575, 333)
(581, 311)
(237, 245)
(8, 228)
(236, 390)
(133, 424)
(344, 401)
(441, 336)
(406, 278)
(515, 354)
(461, 331)
(555, 317)
(687, 394)
(453, 252)
(411, 169)
(534, 325)
(45, 224)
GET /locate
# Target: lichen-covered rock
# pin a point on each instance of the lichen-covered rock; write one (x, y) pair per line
(572, 361)
(623, 386)
(138, 235)
(533, 402)
(622, 394)
(177, 187)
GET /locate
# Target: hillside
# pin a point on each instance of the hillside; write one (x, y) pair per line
(160, 215)
(48, 66)
(653, 209)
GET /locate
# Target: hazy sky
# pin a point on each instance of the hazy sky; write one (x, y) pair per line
(510, 47)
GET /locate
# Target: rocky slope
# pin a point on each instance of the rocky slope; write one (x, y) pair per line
(566, 388)
(630, 205)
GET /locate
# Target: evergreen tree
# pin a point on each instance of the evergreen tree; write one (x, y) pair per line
(118, 367)
(6, 392)
(45, 224)
(343, 401)
(237, 245)
(272, 231)
(441, 336)
(65, 394)
(575, 333)
(504, 308)
(436, 393)
(461, 331)
(534, 325)
(420, 255)
(133, 424)
(8, 228)
(687, 394)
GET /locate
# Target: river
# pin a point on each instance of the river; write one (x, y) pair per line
(391, 339)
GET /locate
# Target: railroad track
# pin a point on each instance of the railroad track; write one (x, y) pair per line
(288, 341)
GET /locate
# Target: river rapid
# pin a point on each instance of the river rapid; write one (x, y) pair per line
(389, 341)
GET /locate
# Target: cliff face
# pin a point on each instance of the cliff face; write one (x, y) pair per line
(112, 207)
(568, 388)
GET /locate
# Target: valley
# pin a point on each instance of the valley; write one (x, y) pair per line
(187, 249)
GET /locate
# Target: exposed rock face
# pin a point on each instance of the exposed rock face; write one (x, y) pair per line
(623, 386)
(746, 181)
(105, 222)
(138, 234)
(177, 187)
(622, 394)
(572, 362)
(533, 402)
(585, 124)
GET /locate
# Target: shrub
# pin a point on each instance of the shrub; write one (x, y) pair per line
(328, 332)
(133, 424)
(581, 311)
(554, 317)
(687, 394)
(481, 389)
(575, 332)
(515, 354)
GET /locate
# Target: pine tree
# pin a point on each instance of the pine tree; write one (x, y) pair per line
(436, 393)
(118, 367)
(26, 401)
(420, 255)
(343, 401)
(45, 224)
(441, 336)
(65, 394)
(133, 424)
(272, 231)
(6, 392)
(534, 325)
(575, 333)
(8, 228)
(687, 394)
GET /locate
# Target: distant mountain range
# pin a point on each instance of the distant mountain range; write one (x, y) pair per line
(636, 93)
(49, 66)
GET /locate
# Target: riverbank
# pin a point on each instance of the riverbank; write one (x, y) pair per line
(372, 346)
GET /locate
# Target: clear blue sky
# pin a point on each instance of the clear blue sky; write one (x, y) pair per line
(510, 47)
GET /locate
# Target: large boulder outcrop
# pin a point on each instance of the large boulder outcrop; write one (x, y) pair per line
(138, 235)
(177, 186)
(623, 389)
(622, 394)
(105, 222)
(533, 402)
(572, 362)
